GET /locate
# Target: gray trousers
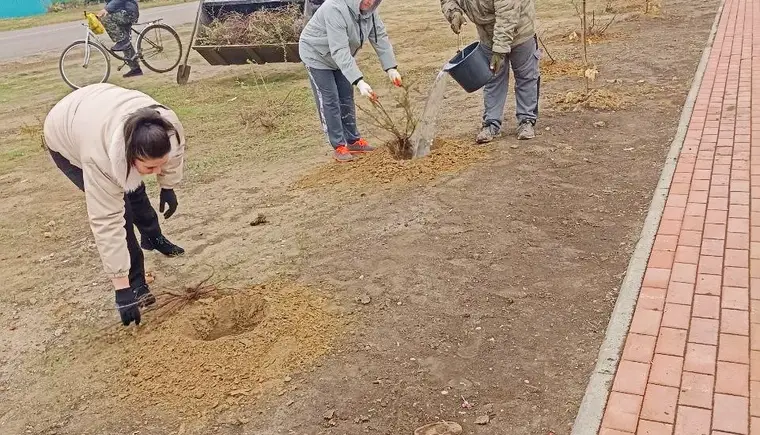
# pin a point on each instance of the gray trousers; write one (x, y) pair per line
(523, 59)
(335, 103)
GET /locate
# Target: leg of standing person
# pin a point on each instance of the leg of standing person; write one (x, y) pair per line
(356, 144)
(524, 61)
(119, 28)
(326, 94)
(494, 100)
(146, 221)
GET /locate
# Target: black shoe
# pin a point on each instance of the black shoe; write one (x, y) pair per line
(123, 45)
(133, 73)
(144, 297)
(162, 245)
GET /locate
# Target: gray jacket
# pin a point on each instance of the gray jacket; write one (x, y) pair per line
(335, 34)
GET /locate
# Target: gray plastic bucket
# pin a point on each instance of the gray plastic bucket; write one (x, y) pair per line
(471, 68)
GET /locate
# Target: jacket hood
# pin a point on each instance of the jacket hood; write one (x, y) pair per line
(354, 6)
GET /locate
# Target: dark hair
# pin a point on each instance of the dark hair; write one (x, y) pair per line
(146, 135)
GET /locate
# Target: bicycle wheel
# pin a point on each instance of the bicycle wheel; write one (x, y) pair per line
(83, 64)
(159, 48)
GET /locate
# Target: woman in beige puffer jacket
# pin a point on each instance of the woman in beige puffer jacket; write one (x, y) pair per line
(105, 138)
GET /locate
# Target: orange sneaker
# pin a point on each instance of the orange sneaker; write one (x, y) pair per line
(360, 146)
(342, 154)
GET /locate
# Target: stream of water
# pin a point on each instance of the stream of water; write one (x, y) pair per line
(424, 134)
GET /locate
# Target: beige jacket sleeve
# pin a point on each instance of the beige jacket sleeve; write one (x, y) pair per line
(171, 173)
(448, 7)
(507, 20)
(105, 208)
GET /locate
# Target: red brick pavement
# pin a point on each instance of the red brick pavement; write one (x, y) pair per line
(691, 362)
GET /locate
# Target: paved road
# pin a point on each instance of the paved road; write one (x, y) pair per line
(55, 37)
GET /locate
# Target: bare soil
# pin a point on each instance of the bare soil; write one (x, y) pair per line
(376, 297)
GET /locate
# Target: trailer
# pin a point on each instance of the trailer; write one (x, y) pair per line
(244, 54)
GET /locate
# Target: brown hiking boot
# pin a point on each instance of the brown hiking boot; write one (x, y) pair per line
(342, 154)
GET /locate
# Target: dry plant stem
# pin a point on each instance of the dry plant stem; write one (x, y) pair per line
(593, 30)
(385, 122)
(584, 40)
(172, 300)
(276, 27)
(546, 50)
(584, 31)
(402, 129)
(261, 113)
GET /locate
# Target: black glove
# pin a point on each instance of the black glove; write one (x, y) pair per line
(144, 296)
(168, 197)
(126, 303)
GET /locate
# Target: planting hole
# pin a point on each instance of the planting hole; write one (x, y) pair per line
(227, 317)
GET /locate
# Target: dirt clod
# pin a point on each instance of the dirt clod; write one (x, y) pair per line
(482, 420)
(439, 428)
(488, 409)
(260, 220)
(329, 415)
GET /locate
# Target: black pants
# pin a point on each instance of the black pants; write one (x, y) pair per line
(137, 212)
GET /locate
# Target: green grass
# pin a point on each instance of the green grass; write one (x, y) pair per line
(223, 117)
(27, 91)
(255, 113)
(72, 14)
(22, 147)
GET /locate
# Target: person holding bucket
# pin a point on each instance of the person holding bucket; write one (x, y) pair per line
(507, 35)
(104, 139)
(327, 46)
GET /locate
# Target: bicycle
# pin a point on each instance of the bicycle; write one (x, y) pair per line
(86, 55)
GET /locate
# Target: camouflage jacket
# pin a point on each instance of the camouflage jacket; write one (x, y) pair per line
(501, 24)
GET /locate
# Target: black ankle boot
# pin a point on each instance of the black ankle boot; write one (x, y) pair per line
(134, 73)
(162, 245)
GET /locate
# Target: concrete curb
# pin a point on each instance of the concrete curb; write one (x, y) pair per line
(591, 411)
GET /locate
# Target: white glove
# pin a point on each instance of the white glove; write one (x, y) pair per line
(395, 77)
(366, 90)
